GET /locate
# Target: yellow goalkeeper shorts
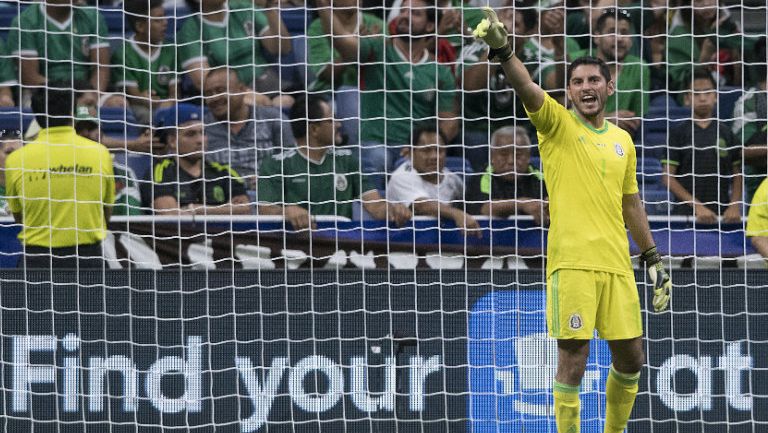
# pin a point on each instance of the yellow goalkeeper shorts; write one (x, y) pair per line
(582, 301)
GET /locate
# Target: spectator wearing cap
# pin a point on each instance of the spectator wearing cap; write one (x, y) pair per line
(60, 187)
(186, 183)
(10, 140)
(239, 134)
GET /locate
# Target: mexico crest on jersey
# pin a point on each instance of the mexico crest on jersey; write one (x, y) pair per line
(341, 182)
(575, 321)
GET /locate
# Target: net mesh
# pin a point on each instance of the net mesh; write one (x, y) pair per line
(333, 216)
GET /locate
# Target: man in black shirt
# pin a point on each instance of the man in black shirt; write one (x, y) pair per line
(510, 185)
(186, 183)
(702, 168)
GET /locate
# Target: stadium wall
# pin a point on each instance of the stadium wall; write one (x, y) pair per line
(373, 351)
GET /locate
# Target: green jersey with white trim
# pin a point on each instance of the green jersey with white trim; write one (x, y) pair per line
(233, 42)
(395, 91)
(63, 50)
(326, 187)
(8, 74)
(133, 67)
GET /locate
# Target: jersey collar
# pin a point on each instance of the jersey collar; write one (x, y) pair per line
(590, 127)
(407, 59)
(223, 22)
(151, 57)
(62, 26)
(312, 161)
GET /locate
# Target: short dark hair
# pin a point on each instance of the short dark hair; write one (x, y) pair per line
(426, 127)
(54, 105)
(702, 74)
(432, 12)
(307, 108)
(529, 11)
(618, 14)
(82, 87)
(589, 60)
(138, 11)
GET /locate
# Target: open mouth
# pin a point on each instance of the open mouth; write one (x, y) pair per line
(588, 99)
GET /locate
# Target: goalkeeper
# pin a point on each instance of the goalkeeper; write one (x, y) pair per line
(589, 169)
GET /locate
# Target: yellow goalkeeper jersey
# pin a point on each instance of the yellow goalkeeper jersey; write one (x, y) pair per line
(587, 171)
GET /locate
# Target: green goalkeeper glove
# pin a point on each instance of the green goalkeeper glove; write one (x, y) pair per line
(662, 284)
(492, 31)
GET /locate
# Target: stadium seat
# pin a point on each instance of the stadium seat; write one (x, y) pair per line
(15, 118)
(726, 100)
(536, 162)
(656, 199)
(649, 171)
(140, 163)
(297, 20)
(663, 115)
(119, 123)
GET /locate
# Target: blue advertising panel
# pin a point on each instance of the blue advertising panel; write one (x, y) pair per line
(513, 362)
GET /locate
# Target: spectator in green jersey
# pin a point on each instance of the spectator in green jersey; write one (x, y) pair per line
(240, 34)
(403, 82)
(144, 67)
(8, 77)
(316, 178)
(323, 60)
(704, 34)
(56, 41)
(329, 68)
(612, 44)
(750, 121)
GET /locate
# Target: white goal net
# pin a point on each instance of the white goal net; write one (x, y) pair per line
(279, 216)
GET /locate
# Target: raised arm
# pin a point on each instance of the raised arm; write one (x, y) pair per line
(492, 31)
(345, 41)
(276, 39)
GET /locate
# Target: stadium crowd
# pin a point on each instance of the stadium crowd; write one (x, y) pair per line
(215, 107)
